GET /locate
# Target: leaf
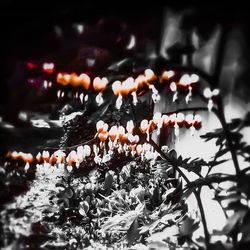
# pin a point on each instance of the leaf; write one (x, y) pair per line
(233, 196)
(49, 210)
(63, 202)
(188, 226)
(108, 181)
(246, 120)
(149, 227)
(221, 152)
(186, 160)
(216, 163)
(123, 222)
(245, 228)
(195, 165)
(218, 133)
(68, 193)
(219, 141)
(217, 232)
(161, 236)
(87, 199)
(236, 136)
(217, 246)
(233, 221)
(60, 185)
(234, 123)
(236, 205)
(246, 149)
(84, 208)
(159, 245)
(172, 154)
(212, 178)
(133, 232)
(168, 192)
(170, 216)
(188, 192)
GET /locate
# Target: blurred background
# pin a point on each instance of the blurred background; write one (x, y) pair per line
(93, 37)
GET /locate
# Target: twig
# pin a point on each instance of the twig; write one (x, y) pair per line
(209, 180)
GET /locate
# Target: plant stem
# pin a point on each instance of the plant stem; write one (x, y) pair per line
(221, 116)
(132, 109)
(196, 194)
(207, 181)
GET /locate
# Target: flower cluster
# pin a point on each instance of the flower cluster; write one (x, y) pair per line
(210, 94)
(116, 138)
(75, 157)
(20, 156)
(121, 139)
(27, 158)
(130, 86)
(185, 81)
(175, 120)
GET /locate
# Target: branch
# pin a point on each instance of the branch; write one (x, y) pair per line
(209, 180)
(196, 194)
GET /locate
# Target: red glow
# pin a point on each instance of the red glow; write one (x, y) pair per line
(31, 65)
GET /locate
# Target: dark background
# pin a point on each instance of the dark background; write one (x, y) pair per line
(27, 28)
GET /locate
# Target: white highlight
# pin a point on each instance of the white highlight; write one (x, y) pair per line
(132, 42)
(39, 123)
(81, 97)
(118, 103)
(99, 99)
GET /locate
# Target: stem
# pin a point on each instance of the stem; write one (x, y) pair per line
(152, 106)
(132, 109)
(196, 194)
(203, 218)
(195, 243)
(208, 181)
(221, 116)
(219, 202)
